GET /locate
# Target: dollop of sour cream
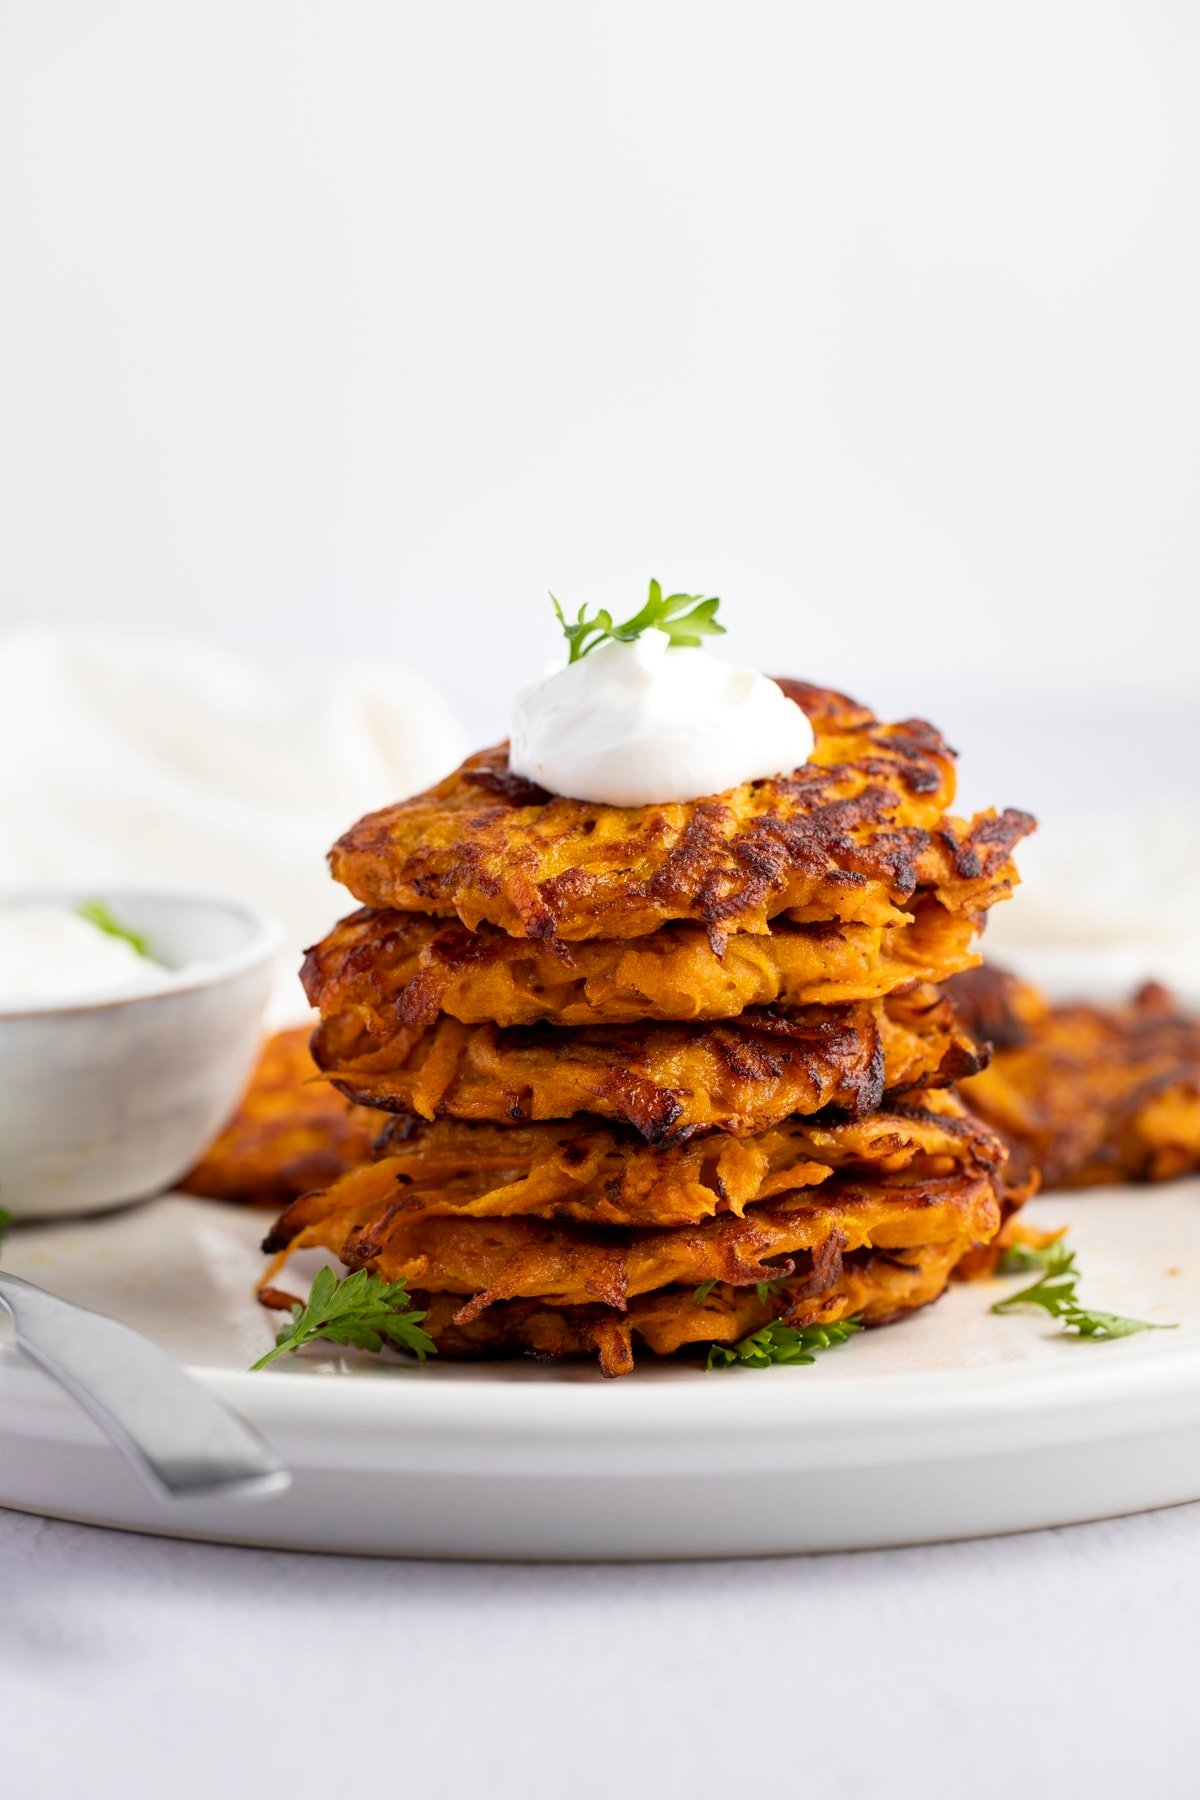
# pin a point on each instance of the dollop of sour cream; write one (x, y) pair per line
(50, 953)
(646, 723)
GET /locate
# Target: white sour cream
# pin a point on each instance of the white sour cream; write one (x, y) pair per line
(50, 953)
(647, 723)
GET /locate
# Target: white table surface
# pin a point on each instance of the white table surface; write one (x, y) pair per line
(1061, 1663)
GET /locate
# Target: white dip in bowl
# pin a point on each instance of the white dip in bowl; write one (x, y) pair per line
(116, 1070)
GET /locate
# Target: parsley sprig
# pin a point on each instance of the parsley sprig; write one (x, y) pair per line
(685, 618)
(783, 1344)
(6, 1220)
(97, 914)
(761, 1288)
(362, 1310)
(1056, 1293)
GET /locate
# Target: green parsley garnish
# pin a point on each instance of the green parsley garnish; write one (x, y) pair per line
(97, 914)
(1056, 1293)
(780, 1343)
(6, 1220)
(762, 1288)
(685, 618)
(362, 1310)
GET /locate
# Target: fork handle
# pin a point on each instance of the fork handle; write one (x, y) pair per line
(181, 1440)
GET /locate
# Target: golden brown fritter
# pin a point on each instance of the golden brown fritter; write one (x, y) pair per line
(819, 1245)
(505, 1258)
(1089, 1094)
(876, 1287)
(590, 1173)
(402, 968)
(667, 1081)
(292, 1132)
(850, 835)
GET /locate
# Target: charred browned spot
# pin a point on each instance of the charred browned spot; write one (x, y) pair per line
(402, 1128)
(961, 1061)
(984, 1004)
(869, 1088)
(691, 855)
(866, 1257)
(290, 1223)
(825, 706)
(364, 1093)
(824, 1272)
(364, 1242)
(823, 931)
(651, 1109)
(749, 1058)
(513, 788)
(963, 854)
(455, 948)
(1155, 1002)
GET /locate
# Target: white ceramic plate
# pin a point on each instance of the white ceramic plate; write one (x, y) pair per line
(952, 1424)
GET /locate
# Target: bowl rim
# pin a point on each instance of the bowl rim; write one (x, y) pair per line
(264, 942)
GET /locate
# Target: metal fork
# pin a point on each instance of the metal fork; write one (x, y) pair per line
(183, 1442)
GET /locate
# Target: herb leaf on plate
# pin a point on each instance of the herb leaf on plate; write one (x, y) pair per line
(361, 1310)
(783, 1344)
(1056, 1292)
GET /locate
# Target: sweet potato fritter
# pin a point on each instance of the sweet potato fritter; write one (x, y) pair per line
(293, 1131)
(920, 1217)
(506, 1258)
(1089, 1094)
(876, 1286)
(598, 1174)
(850, 835)
(668, 1081)
(402, 968)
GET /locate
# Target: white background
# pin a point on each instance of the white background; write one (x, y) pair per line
(349, 329)
(359, 325)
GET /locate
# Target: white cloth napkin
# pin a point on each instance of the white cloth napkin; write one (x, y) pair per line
(155, 763)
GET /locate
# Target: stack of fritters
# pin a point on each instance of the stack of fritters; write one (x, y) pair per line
(669, 1072)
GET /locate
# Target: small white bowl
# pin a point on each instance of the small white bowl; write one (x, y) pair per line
(110, 1100)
